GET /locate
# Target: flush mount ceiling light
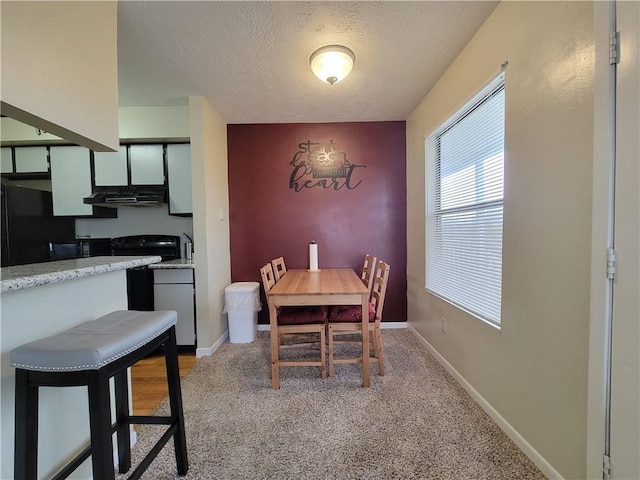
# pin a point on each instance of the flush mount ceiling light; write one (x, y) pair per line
(332, 63)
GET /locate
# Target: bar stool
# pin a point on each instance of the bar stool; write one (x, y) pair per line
(89, 355)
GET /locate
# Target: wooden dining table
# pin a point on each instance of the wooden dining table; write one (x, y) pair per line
(327, 286)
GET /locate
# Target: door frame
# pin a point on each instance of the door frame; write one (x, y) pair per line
(602, 215)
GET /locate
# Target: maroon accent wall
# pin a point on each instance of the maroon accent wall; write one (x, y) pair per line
(364, 212)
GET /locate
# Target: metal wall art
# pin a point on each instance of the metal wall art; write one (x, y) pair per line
(321, 165)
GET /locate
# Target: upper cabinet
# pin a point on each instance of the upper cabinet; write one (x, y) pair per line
(25, 162)
(71, 182)
(76, 171)
(179, 173)
(6, 160)
(147, 164)
(111, 168)
(31, 160)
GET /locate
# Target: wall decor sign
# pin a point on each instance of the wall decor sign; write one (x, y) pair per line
(321, 165)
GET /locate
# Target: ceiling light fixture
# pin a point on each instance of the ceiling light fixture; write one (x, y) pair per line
(332, 63)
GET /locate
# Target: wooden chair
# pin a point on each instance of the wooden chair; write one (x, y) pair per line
(368, 269)
(294, 322)
(347, 320)
(279, 267)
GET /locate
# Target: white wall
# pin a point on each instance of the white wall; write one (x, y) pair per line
(60, 69)
(154, 124)
(533, 371)
(210, 221)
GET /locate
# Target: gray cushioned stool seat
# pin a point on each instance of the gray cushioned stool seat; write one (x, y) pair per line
(93, 344)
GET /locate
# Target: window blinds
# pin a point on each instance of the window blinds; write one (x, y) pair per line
(464, 206)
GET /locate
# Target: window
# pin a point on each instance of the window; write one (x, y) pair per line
(465, 190)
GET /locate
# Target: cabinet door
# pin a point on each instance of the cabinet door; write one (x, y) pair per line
(173, 275)
(179, 178)
(147, 164)
(7, 160)
(111, 168)
(70, 181)
(31, 160)
(178, 297)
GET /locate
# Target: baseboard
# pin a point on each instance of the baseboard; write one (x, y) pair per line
(505, 426)
(383, 326)
(392, 325)
(208, 351)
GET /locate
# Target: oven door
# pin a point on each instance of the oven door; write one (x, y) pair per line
(140, 288)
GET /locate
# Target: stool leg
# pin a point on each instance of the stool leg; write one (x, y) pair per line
(100, 426)
(122, 414)
(26, 428)
(175, 399)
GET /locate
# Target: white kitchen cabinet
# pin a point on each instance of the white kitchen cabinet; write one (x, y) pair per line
(147, 164)
(6, 160)
(70, 181)
(174, 289)
(179, 179)
(31, 160)
(111, 168)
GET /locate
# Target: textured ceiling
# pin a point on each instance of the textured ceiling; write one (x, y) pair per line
(251, 59)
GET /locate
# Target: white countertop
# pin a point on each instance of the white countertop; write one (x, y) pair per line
(173, 264)
(37, 274)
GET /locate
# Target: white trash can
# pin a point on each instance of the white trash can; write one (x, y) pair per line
(242, 304)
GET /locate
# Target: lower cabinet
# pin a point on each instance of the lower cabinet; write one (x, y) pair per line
(174, 289)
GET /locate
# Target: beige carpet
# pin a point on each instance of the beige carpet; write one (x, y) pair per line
(416, 422)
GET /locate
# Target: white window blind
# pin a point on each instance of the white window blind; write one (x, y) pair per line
(465, 178)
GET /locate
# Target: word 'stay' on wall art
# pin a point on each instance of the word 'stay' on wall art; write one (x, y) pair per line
(321, 165)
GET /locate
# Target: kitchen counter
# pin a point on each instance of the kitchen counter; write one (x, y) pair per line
(173, 264)
(37, 274)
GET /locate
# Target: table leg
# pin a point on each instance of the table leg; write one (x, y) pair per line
(365, 340)
(275, 347)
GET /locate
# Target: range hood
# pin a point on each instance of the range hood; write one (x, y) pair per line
(131, 196)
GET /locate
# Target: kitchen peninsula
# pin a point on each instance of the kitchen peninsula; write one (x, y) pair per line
(39, 300)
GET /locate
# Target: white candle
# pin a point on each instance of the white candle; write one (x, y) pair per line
(313, 256)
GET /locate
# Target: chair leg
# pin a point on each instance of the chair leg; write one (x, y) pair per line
(175, 401)
(26, 428)
(331, 351)
(100, 426)
(275, 350)
(122, 414)
(323, 367)
(379, 353)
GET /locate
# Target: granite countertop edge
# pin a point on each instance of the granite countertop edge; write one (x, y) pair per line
(180, 263)
(20, 277)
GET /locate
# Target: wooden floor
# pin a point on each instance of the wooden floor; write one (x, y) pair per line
(149, 381)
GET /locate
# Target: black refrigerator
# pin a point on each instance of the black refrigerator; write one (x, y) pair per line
(28, 226)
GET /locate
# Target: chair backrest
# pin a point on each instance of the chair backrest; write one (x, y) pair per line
(368, 268)
(268, 280)
(279, 267)
(380, 288)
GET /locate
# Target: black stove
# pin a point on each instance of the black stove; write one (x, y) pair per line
(167, 246)
(140, 279)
